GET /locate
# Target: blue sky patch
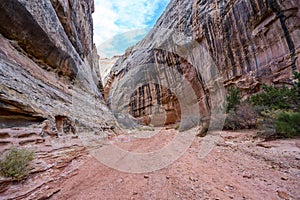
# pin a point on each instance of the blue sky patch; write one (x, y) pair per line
(119, 24)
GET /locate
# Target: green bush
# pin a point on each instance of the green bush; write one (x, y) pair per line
(273, 98)
(233, 98)
(275, 110)
(15, 163)
(279, 98)
(265, 123)
(287, 124)
(240, 115)
(296, 90)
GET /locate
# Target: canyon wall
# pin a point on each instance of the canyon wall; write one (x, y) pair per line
(106, 65)
(50, 88)
(246, 43)
(48, 59)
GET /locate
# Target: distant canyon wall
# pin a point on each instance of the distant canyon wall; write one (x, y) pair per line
(105, 66)
(249, 42)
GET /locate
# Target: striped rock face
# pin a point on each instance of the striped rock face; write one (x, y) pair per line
(49, 66)
(50, 89)
(238, 42)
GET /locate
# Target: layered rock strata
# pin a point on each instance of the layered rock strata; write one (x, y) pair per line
(49, 63)
(247, 43)
(50, 89)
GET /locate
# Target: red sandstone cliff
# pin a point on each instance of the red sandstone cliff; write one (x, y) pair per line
(249, 42)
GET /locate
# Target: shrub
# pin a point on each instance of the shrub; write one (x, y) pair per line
(243, 117)
(15, 163)
(268, 110)
(265, 123)
(273, 98)
(233, 98)
(279, 98)
(296, 90)
(287, 124)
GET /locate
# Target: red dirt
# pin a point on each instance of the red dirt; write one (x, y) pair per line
(239, 167)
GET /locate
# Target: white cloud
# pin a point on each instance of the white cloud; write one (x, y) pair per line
(114, 17)
(119, 43)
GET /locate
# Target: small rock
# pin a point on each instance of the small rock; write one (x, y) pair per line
(220, 144)
(284, 178)
(248, 176)
(230, 187)
(263, 145)
(120, 180)
(193, 179)
(203, 129)
(146, 176)
(273, 166)
(228, 143)
(283, 194)
(223, 190)
(167, 177)
(135, 193)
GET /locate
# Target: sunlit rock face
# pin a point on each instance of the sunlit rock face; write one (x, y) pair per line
(49, 63)
(246, 43)
(105, 66)
(50, 89)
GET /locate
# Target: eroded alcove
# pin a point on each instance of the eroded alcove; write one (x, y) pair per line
(155, 105)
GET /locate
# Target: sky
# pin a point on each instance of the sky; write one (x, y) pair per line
(119, 24)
